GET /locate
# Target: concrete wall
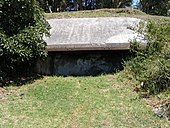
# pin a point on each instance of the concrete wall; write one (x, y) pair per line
(82, 63)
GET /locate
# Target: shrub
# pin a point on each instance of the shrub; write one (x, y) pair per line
(22, 26)
(151, 65)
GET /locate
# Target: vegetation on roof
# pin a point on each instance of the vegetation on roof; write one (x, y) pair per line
(120, 12)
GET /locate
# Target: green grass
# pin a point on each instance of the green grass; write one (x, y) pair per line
(76, 102)
(121, 12)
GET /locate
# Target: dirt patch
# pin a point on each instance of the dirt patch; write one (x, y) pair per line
(2, 90)
(153, 101)
(161, 108)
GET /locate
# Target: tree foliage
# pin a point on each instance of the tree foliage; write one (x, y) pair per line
(22, 26)
(157, 7)
(57, 5)
(61, 4)
(121, 3)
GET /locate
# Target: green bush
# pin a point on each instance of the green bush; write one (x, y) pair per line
(151, 64)
(22, 26)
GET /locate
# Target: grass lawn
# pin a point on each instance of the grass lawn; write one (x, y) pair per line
(103, 101)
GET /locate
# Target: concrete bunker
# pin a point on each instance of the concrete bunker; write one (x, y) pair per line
(88, 46)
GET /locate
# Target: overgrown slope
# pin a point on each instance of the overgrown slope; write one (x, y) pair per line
(120, 12)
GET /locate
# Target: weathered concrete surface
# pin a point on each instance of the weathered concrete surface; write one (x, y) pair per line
(82, 63)
(111, 33)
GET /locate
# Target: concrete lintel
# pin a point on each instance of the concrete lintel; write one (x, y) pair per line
(87, 47)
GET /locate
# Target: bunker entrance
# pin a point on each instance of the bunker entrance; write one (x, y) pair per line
(82, 63)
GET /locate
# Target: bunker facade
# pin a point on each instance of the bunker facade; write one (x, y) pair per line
(88, 46)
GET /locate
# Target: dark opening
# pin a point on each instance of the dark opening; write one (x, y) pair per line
(83, 63)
